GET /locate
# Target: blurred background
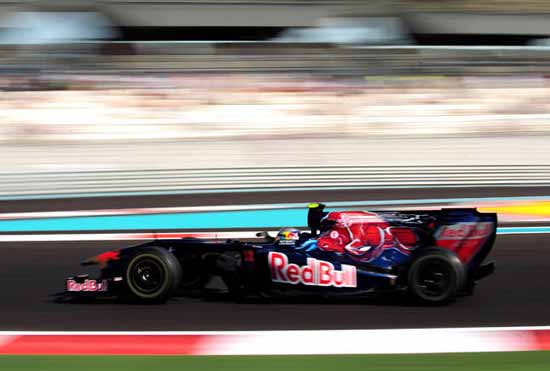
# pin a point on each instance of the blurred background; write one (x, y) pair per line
(90, 85)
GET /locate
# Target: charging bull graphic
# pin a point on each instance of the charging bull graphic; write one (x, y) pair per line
(364, 236)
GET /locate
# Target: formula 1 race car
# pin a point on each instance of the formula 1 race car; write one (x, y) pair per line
(432, 255)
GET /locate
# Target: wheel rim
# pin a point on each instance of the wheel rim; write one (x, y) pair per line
(434, 279)
(147, 276)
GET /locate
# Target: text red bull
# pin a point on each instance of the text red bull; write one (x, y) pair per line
(462, 231)
(87, 286)
(314, 273)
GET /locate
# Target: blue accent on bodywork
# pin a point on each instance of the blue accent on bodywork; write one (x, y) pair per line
(390, 258)
(308, 246)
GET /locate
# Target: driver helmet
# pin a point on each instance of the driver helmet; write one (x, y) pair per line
(288, 236)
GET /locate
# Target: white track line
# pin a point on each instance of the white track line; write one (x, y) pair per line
(127, 236)
(52, 237)
(281, 332)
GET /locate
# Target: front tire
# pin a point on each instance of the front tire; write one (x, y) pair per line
(152, 275)
(436, 276)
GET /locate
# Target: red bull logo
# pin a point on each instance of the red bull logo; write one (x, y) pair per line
(464, 238)
(290, 235)
(87, 285)
(465, 231)
(314, 273)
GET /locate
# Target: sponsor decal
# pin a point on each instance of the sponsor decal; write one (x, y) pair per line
(291, 235)
(288, 237)
(465, 231)
(87, 285)
(287, 242)
(464, 238)
(314, 273)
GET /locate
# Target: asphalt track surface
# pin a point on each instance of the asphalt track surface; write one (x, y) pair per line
(31, 273)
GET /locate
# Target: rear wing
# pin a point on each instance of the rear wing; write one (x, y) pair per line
(469, 233)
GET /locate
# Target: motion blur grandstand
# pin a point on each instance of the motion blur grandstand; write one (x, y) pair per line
(432, 22)
(316, 66)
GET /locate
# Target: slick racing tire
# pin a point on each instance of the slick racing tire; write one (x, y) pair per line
(152, 275)
(436, 276)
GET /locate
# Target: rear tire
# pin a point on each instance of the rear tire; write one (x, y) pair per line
(152, 275)
(436, 276)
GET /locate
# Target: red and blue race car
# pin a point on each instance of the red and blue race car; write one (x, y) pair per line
(433, 255)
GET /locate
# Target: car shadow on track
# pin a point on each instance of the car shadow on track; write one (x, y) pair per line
(394, 299)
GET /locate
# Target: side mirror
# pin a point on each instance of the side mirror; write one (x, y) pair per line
(264, 235)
